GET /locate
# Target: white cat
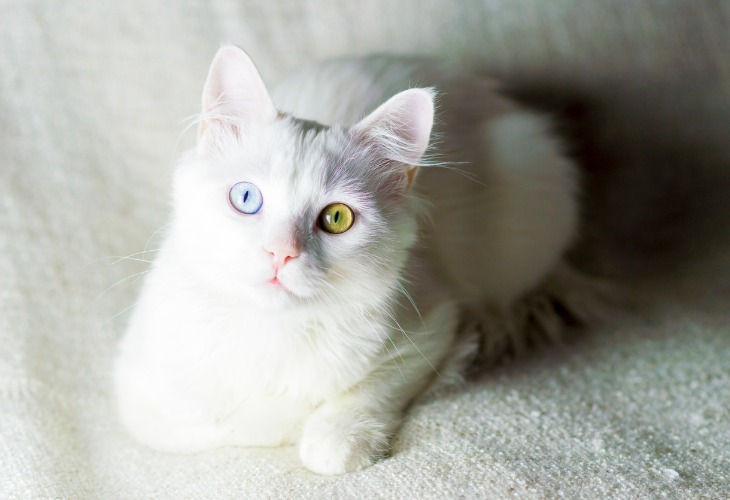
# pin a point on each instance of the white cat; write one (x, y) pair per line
(314, 280)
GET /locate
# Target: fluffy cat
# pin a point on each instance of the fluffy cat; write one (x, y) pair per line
(314, 280)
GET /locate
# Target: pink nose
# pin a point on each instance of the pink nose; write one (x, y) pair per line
(281, 254)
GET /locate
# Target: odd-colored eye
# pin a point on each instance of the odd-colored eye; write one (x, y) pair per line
(246, 198)
(336, 218)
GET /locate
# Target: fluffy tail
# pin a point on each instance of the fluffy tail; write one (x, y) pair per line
(567, 300)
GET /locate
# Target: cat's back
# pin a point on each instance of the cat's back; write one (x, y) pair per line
(342, 91)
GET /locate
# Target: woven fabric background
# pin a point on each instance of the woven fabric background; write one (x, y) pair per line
(93, 102)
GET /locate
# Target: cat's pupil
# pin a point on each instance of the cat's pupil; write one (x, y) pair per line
(245, 196)
(337, 217)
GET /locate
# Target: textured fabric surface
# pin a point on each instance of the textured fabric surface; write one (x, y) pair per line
(92, 95)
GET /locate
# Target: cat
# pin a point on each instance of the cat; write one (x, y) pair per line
(330, 255)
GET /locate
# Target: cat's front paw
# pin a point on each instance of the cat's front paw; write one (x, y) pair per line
(335, 442)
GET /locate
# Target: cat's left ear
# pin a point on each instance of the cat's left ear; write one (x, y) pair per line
(400, 130)
(234, 95)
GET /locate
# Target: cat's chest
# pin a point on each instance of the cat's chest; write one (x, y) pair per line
(244, 354)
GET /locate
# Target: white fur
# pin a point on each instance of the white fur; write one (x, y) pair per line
(215, 355)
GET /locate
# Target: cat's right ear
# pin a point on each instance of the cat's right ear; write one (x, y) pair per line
(234, 96)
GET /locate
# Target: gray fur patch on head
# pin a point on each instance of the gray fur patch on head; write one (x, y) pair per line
(330, 165)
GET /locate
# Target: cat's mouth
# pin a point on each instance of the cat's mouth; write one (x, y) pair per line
(283, 291)
(276, 285)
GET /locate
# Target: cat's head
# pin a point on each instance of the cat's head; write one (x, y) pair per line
(286, 213)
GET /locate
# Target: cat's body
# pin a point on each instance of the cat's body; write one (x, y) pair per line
(263, 329)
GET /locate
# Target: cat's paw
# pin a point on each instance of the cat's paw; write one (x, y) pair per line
(336, 442)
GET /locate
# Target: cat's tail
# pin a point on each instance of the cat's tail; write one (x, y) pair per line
(567, 301)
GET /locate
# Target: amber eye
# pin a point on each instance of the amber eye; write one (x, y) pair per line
(336, 218)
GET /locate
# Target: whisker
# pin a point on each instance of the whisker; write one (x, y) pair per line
(136, 259)
(384, 310)
(400, 328)
(371, 320)
(393, 358)
(117, 314)
(92, 262)
(410, 299)
(132, 256)
(193, 120)
(110, 257)
(155, 234)
(123, 280)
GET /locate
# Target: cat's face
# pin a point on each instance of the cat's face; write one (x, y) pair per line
(284, 213)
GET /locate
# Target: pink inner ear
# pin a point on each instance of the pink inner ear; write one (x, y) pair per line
(234, 92)
(402, 125)
(417, 120)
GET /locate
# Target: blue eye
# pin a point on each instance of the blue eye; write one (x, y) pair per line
(246, 198)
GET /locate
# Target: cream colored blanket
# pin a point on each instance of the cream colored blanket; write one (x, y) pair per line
(94, 98)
